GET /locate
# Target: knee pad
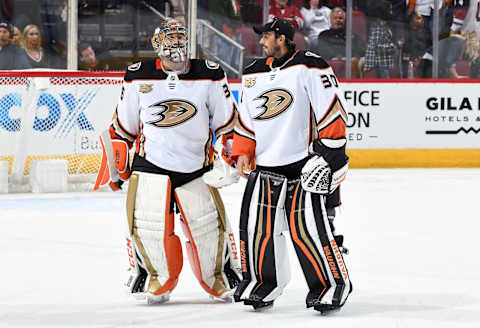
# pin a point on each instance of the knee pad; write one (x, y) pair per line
(265, 266)
(317, 250)
(210, 246)
(155, 252)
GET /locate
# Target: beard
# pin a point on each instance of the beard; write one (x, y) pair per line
(276, 51)
(272, 51)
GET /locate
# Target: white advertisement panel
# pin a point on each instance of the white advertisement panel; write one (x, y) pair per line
(68, 117)
(411, 115)
(61, 117)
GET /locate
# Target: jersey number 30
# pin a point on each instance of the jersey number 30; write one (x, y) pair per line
(329, 81)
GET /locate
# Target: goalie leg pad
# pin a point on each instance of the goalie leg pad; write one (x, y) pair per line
(264, 256)
(157, 250)
(210, 245)
(319, 255)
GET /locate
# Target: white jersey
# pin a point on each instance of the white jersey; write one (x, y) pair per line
(168, 116)
(316, 20)
(282, 110)
(468, 20)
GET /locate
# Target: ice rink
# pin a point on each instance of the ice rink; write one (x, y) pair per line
(413, 235)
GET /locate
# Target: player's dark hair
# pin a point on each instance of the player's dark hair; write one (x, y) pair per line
(289, 43)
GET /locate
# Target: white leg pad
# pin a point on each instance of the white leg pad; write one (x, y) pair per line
(204, 230)
(150, 219)
(152, 229)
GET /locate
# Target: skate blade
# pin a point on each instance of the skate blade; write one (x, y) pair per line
(226, 297)
(328, 311)
(157, 299)
(263, 308)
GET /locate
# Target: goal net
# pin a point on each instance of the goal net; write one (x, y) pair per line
(54, 116)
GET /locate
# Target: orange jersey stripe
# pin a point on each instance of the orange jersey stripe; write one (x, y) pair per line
(335, 130)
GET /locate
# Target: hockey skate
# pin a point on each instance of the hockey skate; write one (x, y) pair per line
(226, 297)
(326, 309)
(259, 305)
(157, 299)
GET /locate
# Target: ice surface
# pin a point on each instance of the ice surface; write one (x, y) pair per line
(413, 236)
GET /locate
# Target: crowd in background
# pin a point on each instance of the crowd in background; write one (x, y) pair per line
(390, 39)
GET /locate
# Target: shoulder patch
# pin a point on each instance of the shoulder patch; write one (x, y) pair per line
(211, 64)
(310, 59)
(311, 54)
(135, 67)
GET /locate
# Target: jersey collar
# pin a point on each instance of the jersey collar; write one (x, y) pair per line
(278, 63)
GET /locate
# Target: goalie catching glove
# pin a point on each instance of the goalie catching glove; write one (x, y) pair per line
(222, 174)
(327, 168)
(115, 167)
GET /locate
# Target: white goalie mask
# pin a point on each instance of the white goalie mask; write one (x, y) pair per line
(170, 42)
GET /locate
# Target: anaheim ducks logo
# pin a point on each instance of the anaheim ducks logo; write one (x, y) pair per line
(172, 112)
(275, 102)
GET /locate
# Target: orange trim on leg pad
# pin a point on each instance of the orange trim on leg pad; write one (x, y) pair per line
(193, 257)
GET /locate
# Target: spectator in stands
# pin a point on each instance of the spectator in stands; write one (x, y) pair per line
(17, 38)
(332, 42)
(426, 7)
(36, 54)
(316, 19)
(472, 53)
(473, 50)
(281, 9)
(88, 60)
(450, 50)
(418, 40)
(11, 56)
(399, 22)
(380, 50)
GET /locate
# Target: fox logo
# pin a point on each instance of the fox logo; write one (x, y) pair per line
(275, 102)
(172, 112)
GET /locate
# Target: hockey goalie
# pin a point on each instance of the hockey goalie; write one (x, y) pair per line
(165, 109)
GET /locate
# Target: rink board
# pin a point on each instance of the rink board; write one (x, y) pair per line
(403, 123)
(411, 123)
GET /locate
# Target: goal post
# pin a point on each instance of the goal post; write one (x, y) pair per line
(55, 115)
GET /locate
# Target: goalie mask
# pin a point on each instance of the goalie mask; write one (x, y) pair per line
(170, 42)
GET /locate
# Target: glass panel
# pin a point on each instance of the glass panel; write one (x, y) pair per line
(112, 34)
(332, 37)
(402, 38)
(39, 31)
(385, 30)
(390, 38)
(119, 32)
(225, 35)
